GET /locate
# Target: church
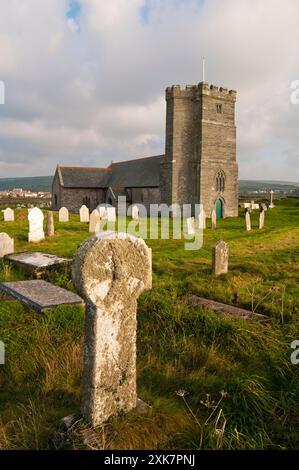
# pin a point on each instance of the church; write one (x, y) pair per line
(199, 165)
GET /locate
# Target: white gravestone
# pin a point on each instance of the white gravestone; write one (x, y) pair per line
(247, 220)
(262, 219)
(220, 258)
(64, 215)
(6, 245)
(94, 222)
(214, 220)
(190, 226)
(135, 213)
(9, 215)
(202, 220)
(102, 210)
(84, 214)
(111, 214)
(36, 231)
(110, 271)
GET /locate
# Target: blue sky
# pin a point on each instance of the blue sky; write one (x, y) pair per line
(87, 86)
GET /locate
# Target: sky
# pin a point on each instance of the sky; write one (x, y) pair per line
(85, 80)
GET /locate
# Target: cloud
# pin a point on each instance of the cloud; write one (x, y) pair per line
(85, 80)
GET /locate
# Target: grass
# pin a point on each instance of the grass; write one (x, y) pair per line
(214, 382)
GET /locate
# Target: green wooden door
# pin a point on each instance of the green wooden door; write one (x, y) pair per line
(219, 209)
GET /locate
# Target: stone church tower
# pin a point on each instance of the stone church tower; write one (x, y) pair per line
(200, 158)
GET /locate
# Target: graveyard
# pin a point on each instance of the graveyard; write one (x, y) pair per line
(208, 378)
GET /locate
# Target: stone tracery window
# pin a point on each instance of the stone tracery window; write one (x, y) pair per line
(220, 181)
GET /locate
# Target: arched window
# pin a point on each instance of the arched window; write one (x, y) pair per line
(220, 181)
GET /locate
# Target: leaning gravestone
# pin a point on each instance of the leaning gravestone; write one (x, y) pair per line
(247, 220)
(214, 220)
(220, 258)
(262, 218)
(110, 271)
(36, 231)
(9, 215)
(111, 214)
(50, 231)
(95, 222)
(6, 245)
(64, 215)
(84, 214)
(135, 213)
(190, 226)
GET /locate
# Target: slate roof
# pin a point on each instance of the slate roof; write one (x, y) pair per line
(84, 177)
(139, 173)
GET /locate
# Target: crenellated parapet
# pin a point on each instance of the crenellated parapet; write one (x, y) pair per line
(203, 88)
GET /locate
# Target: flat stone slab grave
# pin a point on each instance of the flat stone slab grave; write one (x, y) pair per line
(39, 295)
(37, 263)
(218, 307)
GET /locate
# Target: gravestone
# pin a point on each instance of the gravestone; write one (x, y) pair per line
(220, 258)
(202, 220)
(38, 263)
(214, 220)
(6, 245)
(84, 214)
(50, 231)
(9, 215)
(247, 205)
(111, 214)
(247, 220)
(190, 226)
(102, 211)
(95, 222)
(36, 231)
(110, 271)
(64, 215)
(39, 295)
(135, 213)
(262, 218)
(271, 206)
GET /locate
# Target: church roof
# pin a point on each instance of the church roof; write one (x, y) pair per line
(139, 173)
(84, 177)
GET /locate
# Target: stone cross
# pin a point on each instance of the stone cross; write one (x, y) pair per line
(84, 214)
(247, 220)
(220, 258)
(202, 219)
(214, 220)
(6, 245)
(110, 271)
(135, 213)
(36, 231)
(271, 200)
(262, 218)
(95, 222)
(64, 215)
(111, 214)
(50, 231)
(190, 226)
(9, 215)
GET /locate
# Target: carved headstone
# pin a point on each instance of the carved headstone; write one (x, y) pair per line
(190, 226)
(247, 220)
(220, 258)
(135, 213)
(94, 222)
(64, 215)
(6, 245)
(9, 215)
(50, 231)
(36, 231)
(110, 271)
(214, 220)
(84, 214)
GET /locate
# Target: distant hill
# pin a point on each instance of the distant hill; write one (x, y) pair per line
(37, 183)
(44, 183)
